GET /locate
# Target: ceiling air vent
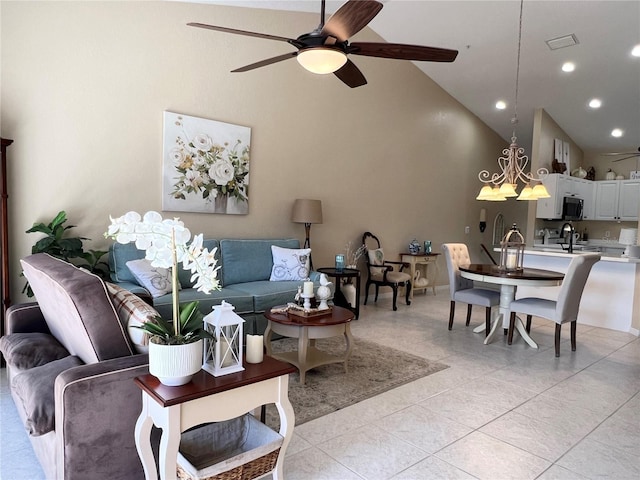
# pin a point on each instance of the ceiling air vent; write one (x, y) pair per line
(561, 42)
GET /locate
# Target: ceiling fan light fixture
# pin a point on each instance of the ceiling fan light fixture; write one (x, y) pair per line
(321, 60)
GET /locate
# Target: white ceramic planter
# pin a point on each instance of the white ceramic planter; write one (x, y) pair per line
(174, 365)
(349, 292)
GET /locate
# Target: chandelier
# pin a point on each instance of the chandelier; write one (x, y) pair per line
(501, 185)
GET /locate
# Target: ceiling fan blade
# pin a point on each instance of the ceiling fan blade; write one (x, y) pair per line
(627, 157)
(351, 75)
(403, 52)
(350, 18)
(241, 32)
(264, 63)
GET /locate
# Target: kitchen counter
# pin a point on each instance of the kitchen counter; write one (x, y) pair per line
(557, 251)
(611, 298)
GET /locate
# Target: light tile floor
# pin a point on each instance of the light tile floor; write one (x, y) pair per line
(498, 412)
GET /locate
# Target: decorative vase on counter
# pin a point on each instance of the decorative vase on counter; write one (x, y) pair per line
(611, 175)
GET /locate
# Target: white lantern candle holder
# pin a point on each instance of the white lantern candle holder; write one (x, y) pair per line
(223, 353)
(512, 251)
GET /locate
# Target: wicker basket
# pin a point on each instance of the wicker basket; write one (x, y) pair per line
(238, 449)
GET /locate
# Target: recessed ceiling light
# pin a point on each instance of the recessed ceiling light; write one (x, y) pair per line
(501, 105)
(595, 103)
(636, 51)
(568, 67)
(616, 132)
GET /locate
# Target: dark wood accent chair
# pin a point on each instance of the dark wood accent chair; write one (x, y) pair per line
(383, 273)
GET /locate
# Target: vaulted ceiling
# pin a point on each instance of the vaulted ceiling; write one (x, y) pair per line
(486, 35)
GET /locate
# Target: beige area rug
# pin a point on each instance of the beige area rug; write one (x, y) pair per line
(372, 369)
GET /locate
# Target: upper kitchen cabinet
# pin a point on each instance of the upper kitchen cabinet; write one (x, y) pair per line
(559, 186)
(617, 200)
(586, 190)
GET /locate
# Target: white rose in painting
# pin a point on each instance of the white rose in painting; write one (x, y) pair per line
(202, 142)
(177, 155)
(221, 172)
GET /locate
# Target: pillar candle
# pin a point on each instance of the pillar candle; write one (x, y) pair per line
(511, 260)
(308, 288)
(224, 353)
(254, 348)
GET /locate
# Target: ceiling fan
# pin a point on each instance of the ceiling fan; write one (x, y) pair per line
(626, 155)
(325, 49)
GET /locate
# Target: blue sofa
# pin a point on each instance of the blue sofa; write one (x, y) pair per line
(244, 274)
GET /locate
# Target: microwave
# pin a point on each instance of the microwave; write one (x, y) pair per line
(572, 208)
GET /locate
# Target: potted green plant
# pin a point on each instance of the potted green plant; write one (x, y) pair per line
(57, 243)
(176, 344)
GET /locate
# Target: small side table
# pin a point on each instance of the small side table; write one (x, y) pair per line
(338, 297)
(307, 330)
(427, 263)
(209, 399)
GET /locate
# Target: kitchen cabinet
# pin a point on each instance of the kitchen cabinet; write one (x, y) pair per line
(585, 189)
(617, 200)
(559, 186)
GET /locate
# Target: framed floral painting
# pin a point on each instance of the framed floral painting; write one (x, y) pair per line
(205, 165)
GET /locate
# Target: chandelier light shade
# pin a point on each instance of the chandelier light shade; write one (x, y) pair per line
(321, 60)
(513, 163)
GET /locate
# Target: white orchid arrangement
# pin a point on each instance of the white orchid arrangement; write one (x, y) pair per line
(208, 168)
(166, 244)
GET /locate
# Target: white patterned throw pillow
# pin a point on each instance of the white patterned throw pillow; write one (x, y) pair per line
(155, 279)
(290, 264)
(376, 257)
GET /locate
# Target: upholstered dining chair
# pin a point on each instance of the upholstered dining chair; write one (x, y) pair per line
(382, 272)
(565, 308)
(463, 289)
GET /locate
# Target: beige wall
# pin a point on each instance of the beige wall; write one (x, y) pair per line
(84, 85)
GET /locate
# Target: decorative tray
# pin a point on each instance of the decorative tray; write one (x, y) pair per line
(314, 312)
(293, 310)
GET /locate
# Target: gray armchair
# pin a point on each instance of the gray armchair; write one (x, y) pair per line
(563, 310)
(462, 289)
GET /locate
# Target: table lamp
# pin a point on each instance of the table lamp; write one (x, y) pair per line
(628, 237)
(307, 211)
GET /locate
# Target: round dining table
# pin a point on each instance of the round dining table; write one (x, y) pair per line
(509, 280)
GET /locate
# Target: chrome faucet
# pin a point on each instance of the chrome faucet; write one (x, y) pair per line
(568, 227)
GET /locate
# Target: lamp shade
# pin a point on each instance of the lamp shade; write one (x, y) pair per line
(628, 236)
(306, 211)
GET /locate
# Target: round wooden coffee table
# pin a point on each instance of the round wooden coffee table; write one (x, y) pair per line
(307, 329)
